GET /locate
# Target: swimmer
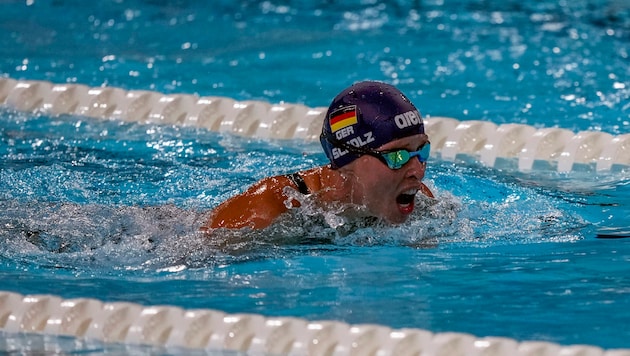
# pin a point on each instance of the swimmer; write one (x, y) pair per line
(374, 138)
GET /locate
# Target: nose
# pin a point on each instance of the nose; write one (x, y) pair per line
(415, 169)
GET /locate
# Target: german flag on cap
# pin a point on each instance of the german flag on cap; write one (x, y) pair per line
(343, 117)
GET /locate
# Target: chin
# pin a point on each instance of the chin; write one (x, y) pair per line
(397, 220)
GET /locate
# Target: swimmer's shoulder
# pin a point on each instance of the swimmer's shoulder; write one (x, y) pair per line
(261, 203)
(255, 208)
(307, 181)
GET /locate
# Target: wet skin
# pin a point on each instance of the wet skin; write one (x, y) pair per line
(388, 193)
(366, 182)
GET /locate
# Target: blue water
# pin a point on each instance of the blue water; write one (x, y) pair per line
(109, 210)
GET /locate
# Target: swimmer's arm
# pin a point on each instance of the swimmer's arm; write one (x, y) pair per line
(256, 208)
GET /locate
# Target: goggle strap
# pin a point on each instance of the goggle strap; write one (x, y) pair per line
(426, 149)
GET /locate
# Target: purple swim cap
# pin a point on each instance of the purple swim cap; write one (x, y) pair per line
(367, 114)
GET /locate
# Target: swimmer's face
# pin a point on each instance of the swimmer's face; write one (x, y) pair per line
(388, 193)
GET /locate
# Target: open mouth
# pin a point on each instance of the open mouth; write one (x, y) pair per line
(406, 201)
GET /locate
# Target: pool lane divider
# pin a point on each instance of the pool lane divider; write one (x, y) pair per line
(515, 147)
(176, 328)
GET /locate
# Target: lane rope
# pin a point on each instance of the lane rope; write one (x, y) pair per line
(507, 146)
(173, 327)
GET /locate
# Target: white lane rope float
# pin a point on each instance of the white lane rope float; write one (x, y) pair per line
(173, 327)
(510, 145)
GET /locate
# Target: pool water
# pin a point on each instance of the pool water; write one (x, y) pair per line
(110, 210)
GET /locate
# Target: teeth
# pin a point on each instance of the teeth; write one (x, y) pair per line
(410, 191)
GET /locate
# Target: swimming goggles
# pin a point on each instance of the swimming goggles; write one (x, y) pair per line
(394, 159)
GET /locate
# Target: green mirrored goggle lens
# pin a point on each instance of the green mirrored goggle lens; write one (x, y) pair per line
(397, 159)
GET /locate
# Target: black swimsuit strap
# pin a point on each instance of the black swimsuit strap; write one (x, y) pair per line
(297, 179)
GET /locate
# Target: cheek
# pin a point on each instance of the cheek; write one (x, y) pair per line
(375, 180)
(379, 184)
